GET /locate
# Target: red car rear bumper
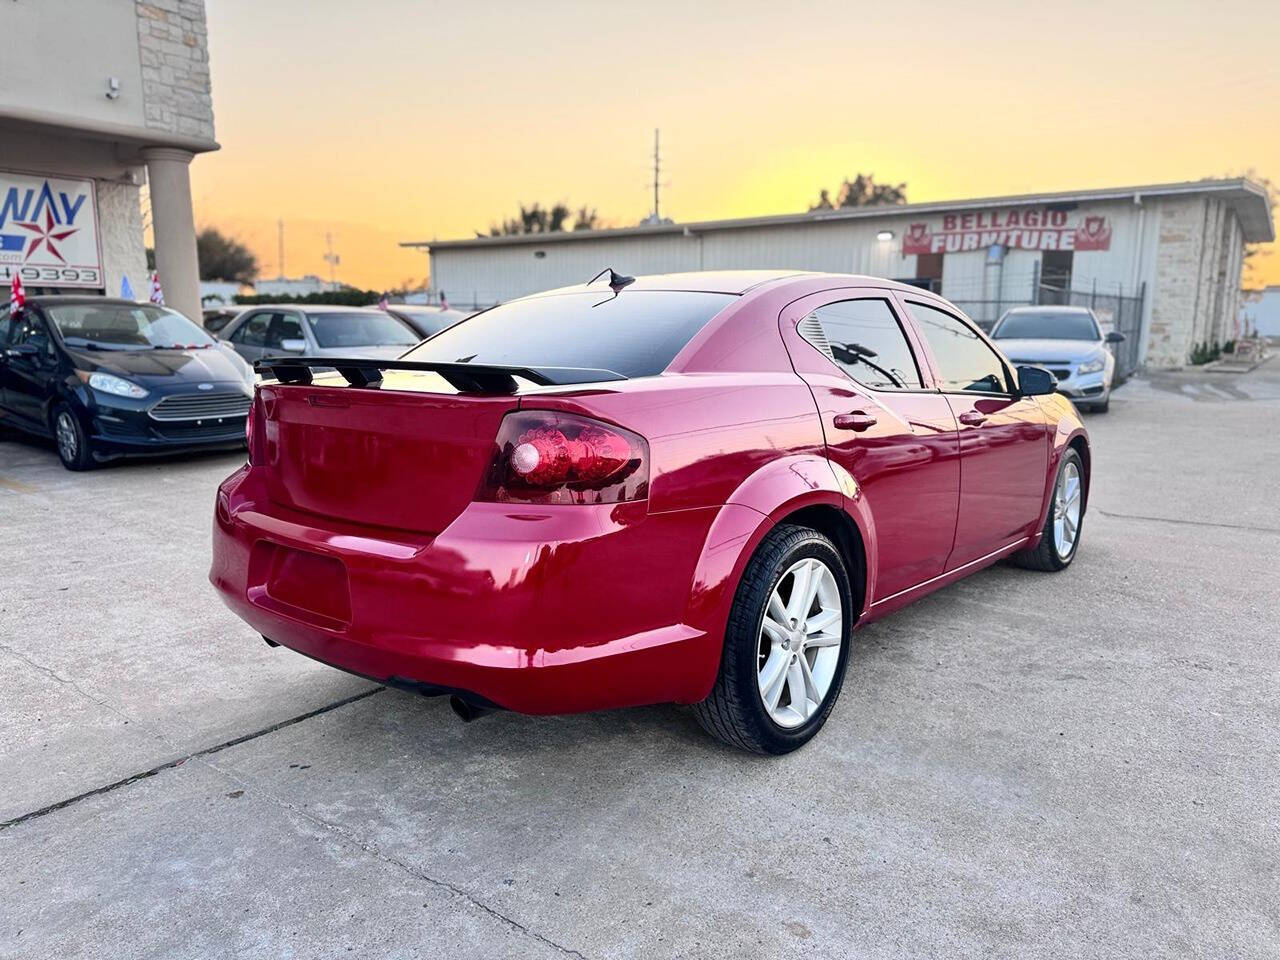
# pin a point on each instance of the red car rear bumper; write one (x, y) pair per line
(508, 604)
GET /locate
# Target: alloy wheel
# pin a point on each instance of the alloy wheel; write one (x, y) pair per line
(68, 438)
(798, 648)
(1066, 510)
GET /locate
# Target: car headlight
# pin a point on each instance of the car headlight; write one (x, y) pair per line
(117, 386)
(1092, 366)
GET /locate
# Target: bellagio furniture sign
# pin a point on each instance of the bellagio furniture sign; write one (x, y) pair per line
(1031, 228)
(49, 231)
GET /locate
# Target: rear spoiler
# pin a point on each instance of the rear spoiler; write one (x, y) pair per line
(463, 377)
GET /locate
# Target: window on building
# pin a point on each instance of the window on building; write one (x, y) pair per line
(865, 339)
(965, 362)
(1055, 269)
(929, 271)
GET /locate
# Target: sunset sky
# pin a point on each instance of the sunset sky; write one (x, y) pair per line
(400, 120)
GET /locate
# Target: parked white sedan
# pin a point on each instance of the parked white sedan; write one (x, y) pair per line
(311, 330)
(1069, 342)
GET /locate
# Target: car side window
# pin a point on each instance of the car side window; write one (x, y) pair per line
(965, 362)
(865, 339)
(283, 326)
(253, 332)
(31, 329)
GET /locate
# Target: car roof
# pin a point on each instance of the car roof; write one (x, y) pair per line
(735, 282)
(66, 299)
(1047, 308)
(311, 307)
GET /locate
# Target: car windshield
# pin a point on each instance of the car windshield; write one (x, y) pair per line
(118, 326)
(1046, 325)
(360, 330)
(637, 333)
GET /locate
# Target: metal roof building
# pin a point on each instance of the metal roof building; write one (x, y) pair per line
(1161, 263)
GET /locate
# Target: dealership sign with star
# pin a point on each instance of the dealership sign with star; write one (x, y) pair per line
(49, 231)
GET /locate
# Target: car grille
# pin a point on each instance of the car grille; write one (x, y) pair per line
(1060, 372)
(201, 406)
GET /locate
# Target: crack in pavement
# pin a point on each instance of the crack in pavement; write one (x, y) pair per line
(170, 764)
(1189, 523)
(71, 682)
(371, 848)
(342, 832)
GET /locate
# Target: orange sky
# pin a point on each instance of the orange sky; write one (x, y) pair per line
(402, 120)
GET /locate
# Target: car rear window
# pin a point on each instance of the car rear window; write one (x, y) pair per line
(369, 329)
(637, 333)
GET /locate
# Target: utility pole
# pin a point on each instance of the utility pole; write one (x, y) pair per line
(331, 258)
(280, 241)
(657, 215)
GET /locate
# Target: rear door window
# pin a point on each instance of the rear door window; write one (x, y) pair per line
(283, 326)
(637, 333)
(864, 339)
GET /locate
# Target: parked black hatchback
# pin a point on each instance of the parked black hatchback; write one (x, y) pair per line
(108, 378)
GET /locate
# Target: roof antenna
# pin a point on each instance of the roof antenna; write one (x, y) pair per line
(617, 281)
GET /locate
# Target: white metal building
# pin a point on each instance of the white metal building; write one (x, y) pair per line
(1161, 263)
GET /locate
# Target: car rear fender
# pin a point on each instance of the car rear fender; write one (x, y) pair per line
(768, 497)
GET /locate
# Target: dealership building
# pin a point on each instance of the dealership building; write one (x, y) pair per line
(1159, 263)
(99, 102)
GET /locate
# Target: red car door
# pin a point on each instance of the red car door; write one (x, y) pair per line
(1004, 441)
(884, 423)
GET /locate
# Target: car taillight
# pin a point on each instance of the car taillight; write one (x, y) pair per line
(544, 456)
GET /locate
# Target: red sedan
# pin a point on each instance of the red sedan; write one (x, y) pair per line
(684, 488)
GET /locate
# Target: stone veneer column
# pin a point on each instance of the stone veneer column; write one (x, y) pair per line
(174, 223)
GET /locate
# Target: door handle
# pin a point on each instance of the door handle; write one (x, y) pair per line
(858, 421)
(972, 418)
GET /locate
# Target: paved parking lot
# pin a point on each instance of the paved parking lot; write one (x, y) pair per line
(1022, 765)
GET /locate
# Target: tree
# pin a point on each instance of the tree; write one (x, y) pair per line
(224, 258)
(862, 191)
(540, 219)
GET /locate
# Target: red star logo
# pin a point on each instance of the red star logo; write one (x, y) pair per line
(46, 235)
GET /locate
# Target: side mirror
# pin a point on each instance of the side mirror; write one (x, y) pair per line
(1115, 336)
(27, 349)
(293, 345)
(1036, 382)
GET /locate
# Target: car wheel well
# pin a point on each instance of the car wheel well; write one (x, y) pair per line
(1081, 447)
(838, 527)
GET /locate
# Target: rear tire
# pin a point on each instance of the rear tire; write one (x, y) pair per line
(760, 659)
(71, 440)
(1052, 553)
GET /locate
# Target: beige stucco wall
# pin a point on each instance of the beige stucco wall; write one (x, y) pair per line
(58, 55)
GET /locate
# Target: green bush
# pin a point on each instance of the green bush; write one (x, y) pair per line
(1202, 353)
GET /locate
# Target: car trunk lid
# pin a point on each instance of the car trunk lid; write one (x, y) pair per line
(389, 458)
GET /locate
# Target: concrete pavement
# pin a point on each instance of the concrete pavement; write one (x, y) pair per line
(1021, 765)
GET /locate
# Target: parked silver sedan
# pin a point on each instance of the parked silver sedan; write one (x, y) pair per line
(1069, 342)
(313, 330)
